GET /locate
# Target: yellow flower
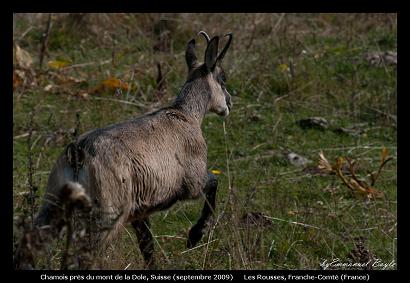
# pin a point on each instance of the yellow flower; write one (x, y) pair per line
(284, 68)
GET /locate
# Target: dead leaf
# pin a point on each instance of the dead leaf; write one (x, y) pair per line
(23, 58)
(58, 64)
(17, 80)
(358, 188)
(339, 163)
(324, 164)
(384, 159)
(110, 85)
(23, 77)
(344, 166)
(114, 83)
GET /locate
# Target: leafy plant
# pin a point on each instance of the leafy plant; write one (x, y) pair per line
(345, 166)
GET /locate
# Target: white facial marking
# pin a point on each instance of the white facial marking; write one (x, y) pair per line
(218, 101)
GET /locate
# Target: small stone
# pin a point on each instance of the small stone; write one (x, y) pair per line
(379, 58)
(296, 159)
(314, 122)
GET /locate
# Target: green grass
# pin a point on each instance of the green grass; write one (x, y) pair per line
(331, 79)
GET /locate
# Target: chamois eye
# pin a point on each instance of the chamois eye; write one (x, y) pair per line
(223, 77)
(223, 85)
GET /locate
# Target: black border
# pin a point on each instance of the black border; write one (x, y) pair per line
(212, 6)
(6, 207)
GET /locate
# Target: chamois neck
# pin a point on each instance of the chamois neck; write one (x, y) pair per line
(193, 101)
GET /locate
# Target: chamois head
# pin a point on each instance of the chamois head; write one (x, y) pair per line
(210, 73)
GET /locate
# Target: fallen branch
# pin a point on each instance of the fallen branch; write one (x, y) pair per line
(352, 182)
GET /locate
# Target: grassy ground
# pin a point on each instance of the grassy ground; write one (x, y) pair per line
(281, 68)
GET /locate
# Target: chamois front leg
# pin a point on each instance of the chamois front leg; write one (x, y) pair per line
(145, 241)
(199, 229)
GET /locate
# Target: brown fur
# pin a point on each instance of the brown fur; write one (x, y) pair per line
(134, 168)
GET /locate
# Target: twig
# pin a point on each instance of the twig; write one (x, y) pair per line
(170, 236)
(352, 172)
(388, 115)
(35, 141)
(45, 36)
(227, 159)
(156, 241)
(24, 135)
(121, 101)
(252, 35)
(294, 91)
(278, 22)
(86, 64)
(271, 247)
(351, 148)
(25, 32)
(294, 222)
(375, 177)
(291, 246)
(231, 195)
(207, 243)
(63, 265)
(126, 230)
(30, 166)
(131, 81)
(77, 125)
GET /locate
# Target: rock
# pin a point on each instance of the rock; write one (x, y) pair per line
(353, 130)
(297, 160)
(377, 58)
(314, 122)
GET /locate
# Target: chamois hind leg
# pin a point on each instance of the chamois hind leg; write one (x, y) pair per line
(145, 241)
(199, 229)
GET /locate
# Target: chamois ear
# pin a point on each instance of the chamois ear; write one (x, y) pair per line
(223, 52)
(211, 53)
(190, 55)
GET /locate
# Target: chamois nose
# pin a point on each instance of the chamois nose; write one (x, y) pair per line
(225, 112)
(229, 104)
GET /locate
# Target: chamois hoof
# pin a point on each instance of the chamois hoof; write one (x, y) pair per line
(194, 236)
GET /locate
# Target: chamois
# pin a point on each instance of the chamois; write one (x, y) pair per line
(131, 169)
